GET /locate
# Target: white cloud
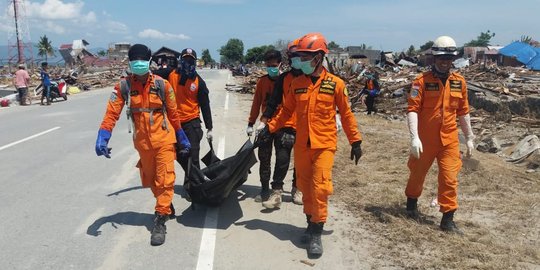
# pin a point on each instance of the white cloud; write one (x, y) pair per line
(155, 34)
(55, 28)
(89, 18)
(56, 10)
(115, 27)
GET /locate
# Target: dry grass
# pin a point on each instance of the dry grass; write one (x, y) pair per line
(499, 210)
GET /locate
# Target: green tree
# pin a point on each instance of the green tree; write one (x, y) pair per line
(411, 51)
(255, 54)
(206, 57)
(426, 46)
(44, 47)
(482, 40)
(102, 53)
(232, 52)
(333, 46)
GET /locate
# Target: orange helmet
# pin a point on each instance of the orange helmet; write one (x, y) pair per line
(312, 42)
(293, 45)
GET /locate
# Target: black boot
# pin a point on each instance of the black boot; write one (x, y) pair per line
(448, 224)
(306, 237)
(412, 209)
(158, 232)
(315, 249)
(173, 212)
(42, 98)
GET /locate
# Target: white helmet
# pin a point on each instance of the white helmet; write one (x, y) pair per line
(444, 45)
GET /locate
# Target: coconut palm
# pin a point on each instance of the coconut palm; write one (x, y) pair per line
(44, 47)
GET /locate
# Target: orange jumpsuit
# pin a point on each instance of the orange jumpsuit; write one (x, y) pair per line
(154, 144)
(316, 135)
(437, 105)
(263, 91)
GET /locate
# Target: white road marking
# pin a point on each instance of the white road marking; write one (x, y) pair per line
(226, 102)
(28, 138)
(205, 260)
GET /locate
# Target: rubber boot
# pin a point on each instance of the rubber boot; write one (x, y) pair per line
(306, 237)
(315, 248)
(158, 232)
(173, 212)
(448, 224)
(412, 209)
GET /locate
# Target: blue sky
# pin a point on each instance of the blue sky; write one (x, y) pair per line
(391, 25)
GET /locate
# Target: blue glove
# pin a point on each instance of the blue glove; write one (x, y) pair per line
(101, 143)
(182, 141)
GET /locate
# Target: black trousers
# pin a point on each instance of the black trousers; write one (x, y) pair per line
(283, 158)
(23, 92)
(370, 103)
(194, 133)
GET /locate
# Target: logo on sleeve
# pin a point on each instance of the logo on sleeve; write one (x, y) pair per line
(414, 90)
(193, 87)
(113, 96)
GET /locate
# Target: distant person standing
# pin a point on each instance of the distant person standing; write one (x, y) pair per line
(21, 82)
(46, 83)
(371, 91)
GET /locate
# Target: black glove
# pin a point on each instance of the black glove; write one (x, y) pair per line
(264, 135)
(356, 151)
(287, 140)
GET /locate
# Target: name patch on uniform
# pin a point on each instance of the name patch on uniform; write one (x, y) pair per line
(300, 91)
(432, 86)
(455, 86)
(153, 90)
(133, 92)
(327, 91)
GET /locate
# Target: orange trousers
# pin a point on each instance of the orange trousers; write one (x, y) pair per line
(157, 172)
(449, 162)
(314, 179)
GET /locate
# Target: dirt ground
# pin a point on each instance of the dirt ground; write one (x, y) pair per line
(499, 207)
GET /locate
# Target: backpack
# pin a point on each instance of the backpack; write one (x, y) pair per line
(125, 90)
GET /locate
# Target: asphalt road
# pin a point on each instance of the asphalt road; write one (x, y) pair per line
(65, 208)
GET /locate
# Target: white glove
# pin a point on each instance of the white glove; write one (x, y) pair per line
(249, 131)
(416, 147)
(338, 122)
(470, 147)
(465, 123)
(260, 128)
(209, 135)
(416, 144)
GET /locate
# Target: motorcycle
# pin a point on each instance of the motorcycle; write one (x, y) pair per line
(58, 89)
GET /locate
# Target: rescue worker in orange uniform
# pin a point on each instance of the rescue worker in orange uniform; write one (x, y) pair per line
(263, 91)
(285, 137)
(314, 98)
(191, 99)
(371, 91)
(157, 130)
(436, 99)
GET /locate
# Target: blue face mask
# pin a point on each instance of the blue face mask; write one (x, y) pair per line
(306, 67)
(139, 67)
(272, 71)
(295, 62)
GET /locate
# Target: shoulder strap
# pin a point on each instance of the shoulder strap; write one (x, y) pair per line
(160, 84)
(125, 90)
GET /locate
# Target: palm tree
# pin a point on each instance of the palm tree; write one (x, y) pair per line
(44, 47)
